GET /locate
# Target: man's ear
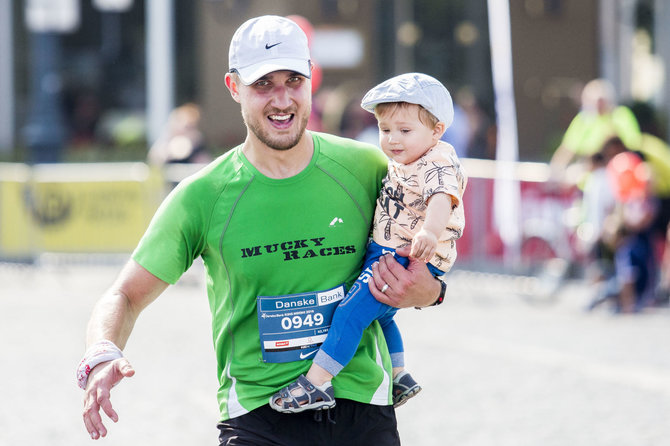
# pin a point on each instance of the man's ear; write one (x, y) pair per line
(231, 84)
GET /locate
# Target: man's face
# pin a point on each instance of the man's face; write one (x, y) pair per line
(276, 108)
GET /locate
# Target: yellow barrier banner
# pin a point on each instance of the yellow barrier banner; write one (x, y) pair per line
(16, 233)
(78, 208)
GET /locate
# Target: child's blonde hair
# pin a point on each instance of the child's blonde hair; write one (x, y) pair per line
(390, 108)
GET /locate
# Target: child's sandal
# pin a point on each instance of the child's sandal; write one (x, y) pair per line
(312, 397)
(404, 388)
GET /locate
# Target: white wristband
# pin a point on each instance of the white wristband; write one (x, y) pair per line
(99, 352)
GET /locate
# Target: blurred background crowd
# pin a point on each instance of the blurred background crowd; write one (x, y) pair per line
(565, 140)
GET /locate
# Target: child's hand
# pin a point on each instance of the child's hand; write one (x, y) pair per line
(423, 245)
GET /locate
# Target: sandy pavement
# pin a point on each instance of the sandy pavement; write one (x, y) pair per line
(495, 370)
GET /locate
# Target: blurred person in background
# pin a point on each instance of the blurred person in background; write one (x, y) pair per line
(470, 134)
(182, 140)
(656, 154)
(283, 218)
(358, 124)
(628, 231)
(597, 205)
(599, 119)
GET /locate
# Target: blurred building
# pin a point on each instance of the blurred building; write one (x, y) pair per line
(108, 72)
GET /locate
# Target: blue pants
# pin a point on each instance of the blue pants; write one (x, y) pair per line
(635, 263)
(356, 312)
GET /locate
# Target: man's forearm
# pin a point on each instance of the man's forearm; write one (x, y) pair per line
(114, 315)
(112, 319)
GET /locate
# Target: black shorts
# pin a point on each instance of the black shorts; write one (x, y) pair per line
(348, 424)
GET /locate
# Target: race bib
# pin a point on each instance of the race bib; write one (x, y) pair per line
(293, 327)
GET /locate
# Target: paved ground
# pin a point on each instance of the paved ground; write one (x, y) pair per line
(495, 370)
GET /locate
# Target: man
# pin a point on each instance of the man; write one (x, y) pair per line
(599, 119)
(281, 224)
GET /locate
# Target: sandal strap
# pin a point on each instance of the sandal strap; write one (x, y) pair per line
(306, 384)
(311, 394)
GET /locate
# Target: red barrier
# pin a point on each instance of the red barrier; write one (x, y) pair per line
(544, 220)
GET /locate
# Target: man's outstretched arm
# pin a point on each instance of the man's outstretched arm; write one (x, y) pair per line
(109, 327)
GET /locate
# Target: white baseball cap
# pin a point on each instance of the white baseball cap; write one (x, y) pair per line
(268, 43)
(414, 88)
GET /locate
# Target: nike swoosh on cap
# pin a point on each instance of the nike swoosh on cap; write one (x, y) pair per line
(268, 46)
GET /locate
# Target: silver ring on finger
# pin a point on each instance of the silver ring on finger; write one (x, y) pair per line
(385, 287)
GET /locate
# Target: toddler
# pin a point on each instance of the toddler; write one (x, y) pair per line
(420, 204)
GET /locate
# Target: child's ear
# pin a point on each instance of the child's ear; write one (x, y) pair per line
(439, 130)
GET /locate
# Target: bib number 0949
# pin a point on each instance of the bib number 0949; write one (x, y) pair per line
(295, 322)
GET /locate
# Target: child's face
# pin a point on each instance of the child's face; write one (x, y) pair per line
(403, 137)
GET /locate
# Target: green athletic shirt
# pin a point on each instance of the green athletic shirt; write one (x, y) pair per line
(587, 132)
(259, 236)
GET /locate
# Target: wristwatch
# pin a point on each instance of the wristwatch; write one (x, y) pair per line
(443, 291)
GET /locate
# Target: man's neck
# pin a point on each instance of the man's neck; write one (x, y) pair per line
(279, 164)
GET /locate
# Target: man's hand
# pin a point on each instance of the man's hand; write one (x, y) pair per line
(411, 287)
(96, 396)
